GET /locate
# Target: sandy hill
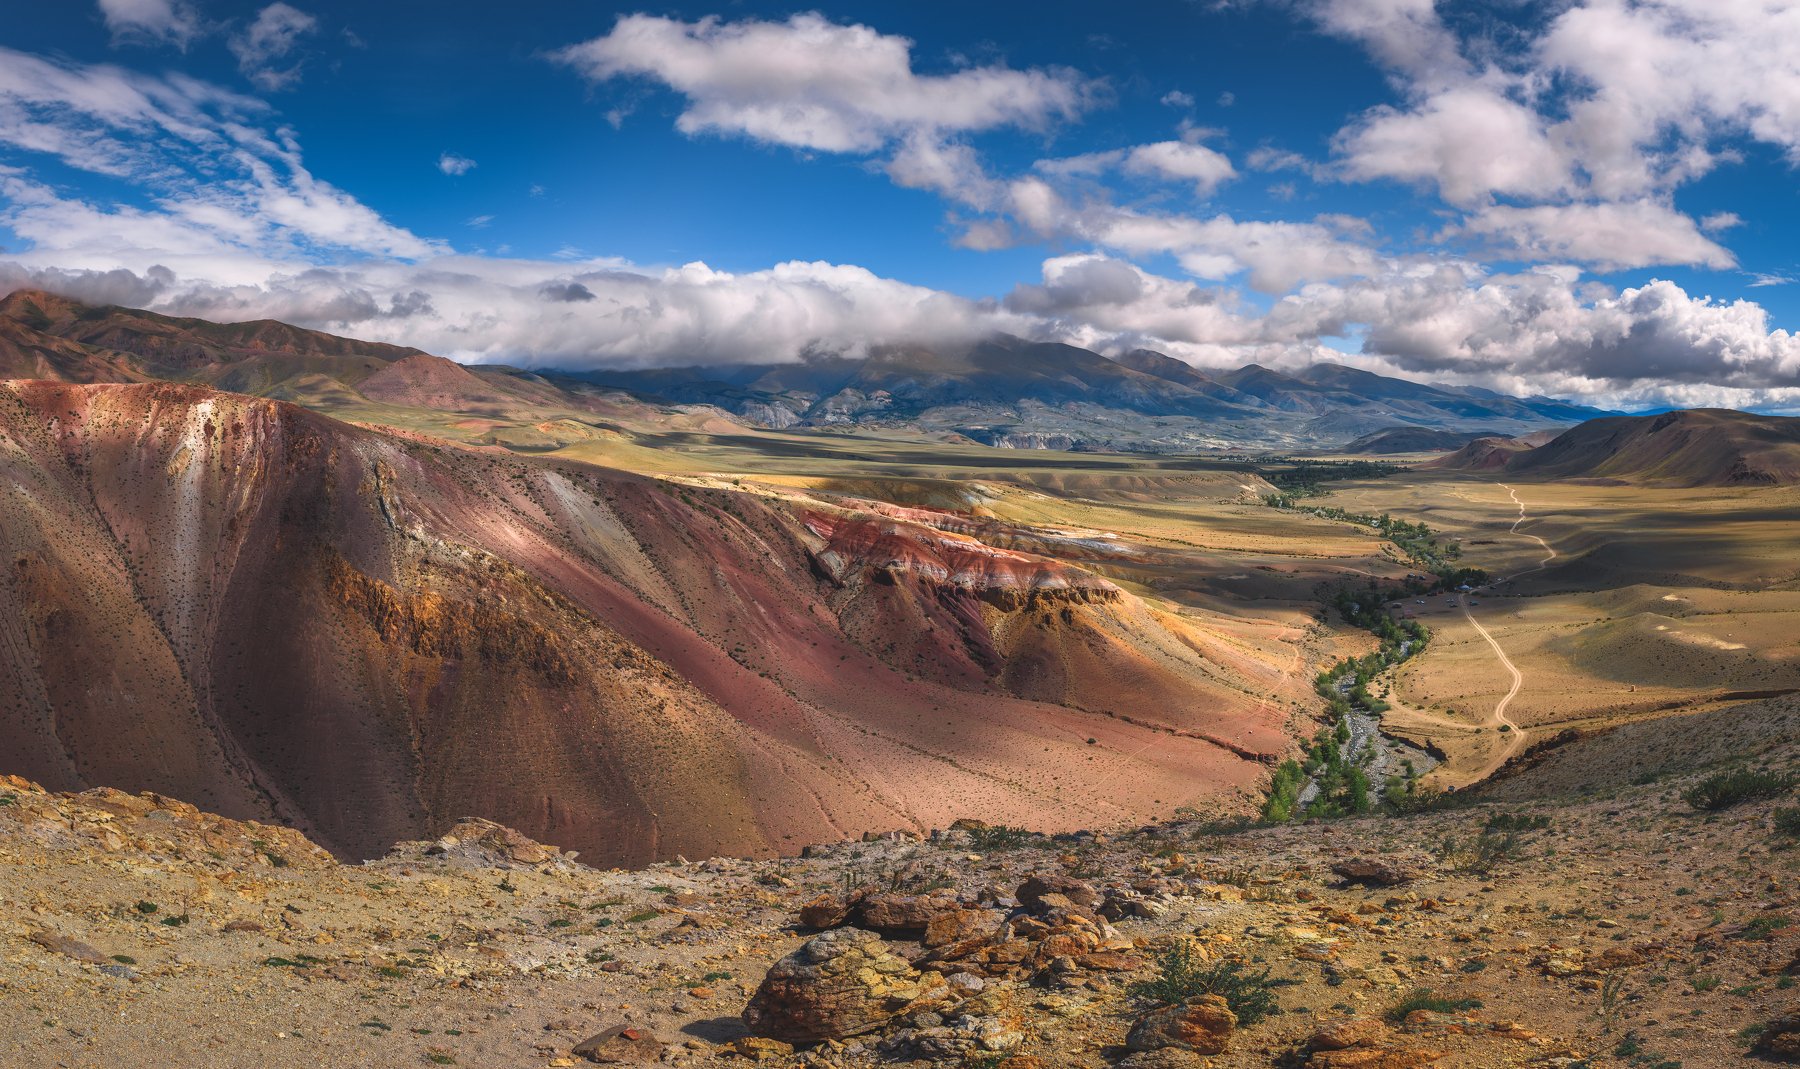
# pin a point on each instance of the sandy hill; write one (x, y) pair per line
(284, 617)
(1694, 447)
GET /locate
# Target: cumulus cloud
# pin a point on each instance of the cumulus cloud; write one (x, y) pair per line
(265, 48)
(151, 22)
(1182, 161)
(1616, 102)
(452, 164)
(1470, 141)
(1612, 236)
(1175, 98)
(814, 84)
(534, 313)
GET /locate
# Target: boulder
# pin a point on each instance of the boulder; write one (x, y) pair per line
(839, 984)
(826, 911)
(1031, 893)
(1351, 1032)
(903, 916)
(1780, 1038)
(1372, 871)
(956, 925)
(1201, 1025)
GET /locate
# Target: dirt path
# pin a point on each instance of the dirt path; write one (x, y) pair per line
(1516, 735)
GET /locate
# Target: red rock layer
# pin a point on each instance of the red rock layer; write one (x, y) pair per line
(281, 617)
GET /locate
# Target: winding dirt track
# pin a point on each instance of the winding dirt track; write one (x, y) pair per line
(1516, 735)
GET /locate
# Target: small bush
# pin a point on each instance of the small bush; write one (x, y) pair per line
(1726, 789)
(1482, 854)
(1182, 973)
(1787, 822)
(991, 838)
(1423, 999)
(1762, 927)
(1504, 822)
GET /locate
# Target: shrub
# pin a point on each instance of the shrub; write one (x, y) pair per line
(989, 838)
(1284, 792)
(1482, 854)
(1787, 822)
(1518, 822)
(1423, 999)
(1726, 789)
(1182, 973)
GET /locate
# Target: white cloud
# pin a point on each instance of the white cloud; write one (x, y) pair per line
(1184, 161)
(265, 47)
(1175, 98)
(480, 222)
(1471, 141)
(1405, 36)
(1718, 222)
(815, 84)
(452, 164)
(588, 314)
(222, 186)
(1616, 102)
(1611, 236)
(152, 22)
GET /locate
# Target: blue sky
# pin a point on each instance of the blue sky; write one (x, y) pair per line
(1590, 199)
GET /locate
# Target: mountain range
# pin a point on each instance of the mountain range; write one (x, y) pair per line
(1007, 391)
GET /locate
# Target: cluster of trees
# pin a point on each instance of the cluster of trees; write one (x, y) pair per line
(1306, 478)
(1421, 545)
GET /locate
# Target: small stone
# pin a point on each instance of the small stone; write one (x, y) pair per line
(621, 1045)
(759, 1048)
(68, 947)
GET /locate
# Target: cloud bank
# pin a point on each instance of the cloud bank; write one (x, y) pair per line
(1549, 158)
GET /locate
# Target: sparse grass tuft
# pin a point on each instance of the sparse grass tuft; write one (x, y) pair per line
(1183, 973)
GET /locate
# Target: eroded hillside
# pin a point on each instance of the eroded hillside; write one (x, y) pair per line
(367, 635)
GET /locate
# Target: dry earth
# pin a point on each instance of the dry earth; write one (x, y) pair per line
(137, 931)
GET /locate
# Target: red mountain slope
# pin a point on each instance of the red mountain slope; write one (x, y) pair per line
(249, 605)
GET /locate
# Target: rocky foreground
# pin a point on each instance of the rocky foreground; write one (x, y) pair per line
(1626, 930)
